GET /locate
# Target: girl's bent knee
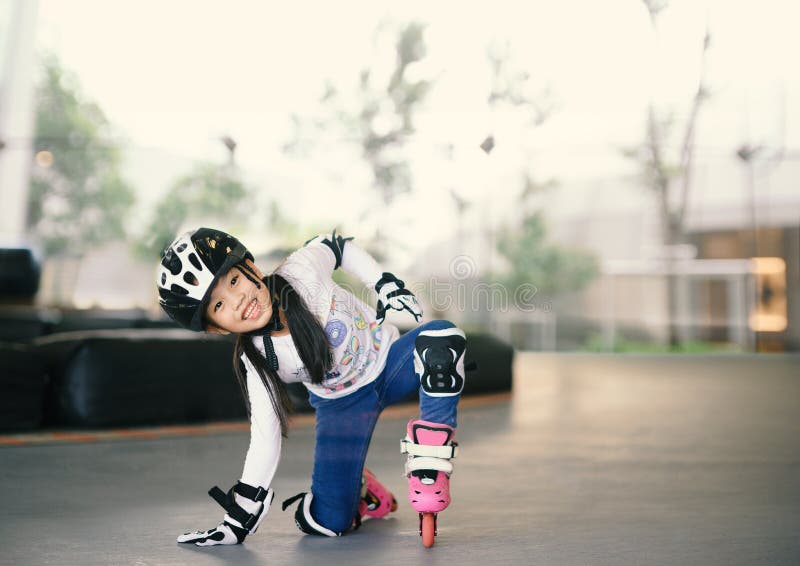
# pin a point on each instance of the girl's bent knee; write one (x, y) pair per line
(337, 519)
(339, 523)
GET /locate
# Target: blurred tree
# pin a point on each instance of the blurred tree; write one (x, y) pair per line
(381, 122)
(514, 98)
(209, 192)
(78, 198)
(512, 88)
(386, 117)
(554, 270)
(667, 174)
(287, 233)
(532, 189)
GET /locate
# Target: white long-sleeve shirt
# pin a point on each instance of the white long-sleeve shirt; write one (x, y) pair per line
(358, 344)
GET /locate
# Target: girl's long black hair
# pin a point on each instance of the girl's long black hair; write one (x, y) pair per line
(309, 338)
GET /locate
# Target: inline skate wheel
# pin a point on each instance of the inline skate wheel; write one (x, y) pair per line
(427, 528)
(394, 504)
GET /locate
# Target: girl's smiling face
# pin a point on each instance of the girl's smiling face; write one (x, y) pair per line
(237, 305)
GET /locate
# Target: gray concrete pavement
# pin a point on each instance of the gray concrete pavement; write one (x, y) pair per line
(593, 460)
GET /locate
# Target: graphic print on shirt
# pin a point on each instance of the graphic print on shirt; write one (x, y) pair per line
(300, 373)
(353, 351)
(371, 357)
(340, 307)
(336, 331)
(377, 335)
(362, 362)
(359, 321)
(343, 317)
(331, 383)
(330, 376)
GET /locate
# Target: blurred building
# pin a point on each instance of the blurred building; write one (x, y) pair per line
(764, 226)
(737, 276)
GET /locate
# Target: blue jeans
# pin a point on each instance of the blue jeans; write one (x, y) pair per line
(344, 429)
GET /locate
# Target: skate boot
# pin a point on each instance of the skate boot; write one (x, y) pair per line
(430, 447)
(376, 500)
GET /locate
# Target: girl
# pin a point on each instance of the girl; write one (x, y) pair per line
(298, 325)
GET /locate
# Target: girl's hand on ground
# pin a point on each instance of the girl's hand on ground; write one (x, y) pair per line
(224, 533)
(392, 294)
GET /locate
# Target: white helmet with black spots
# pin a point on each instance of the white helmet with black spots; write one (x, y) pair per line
(190, 267)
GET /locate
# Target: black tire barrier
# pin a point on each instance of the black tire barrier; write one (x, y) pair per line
(19, 274)
(139, 377)
(145, 377)
(494, 359)
(22, 382)
(77, 320)
(22, 324)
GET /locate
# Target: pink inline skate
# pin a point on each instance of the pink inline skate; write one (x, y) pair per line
(376, 500)
(430, 447)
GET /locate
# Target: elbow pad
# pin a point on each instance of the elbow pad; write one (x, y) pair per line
(335, 243)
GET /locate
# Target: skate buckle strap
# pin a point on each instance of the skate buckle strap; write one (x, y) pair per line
(448, 451)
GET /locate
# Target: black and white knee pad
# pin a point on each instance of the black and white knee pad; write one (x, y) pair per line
(303, 519)
(439, 361)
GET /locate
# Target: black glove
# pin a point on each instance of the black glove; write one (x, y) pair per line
(246, 507)
(224, 533)
(392, 294)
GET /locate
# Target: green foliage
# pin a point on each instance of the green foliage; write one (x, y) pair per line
(552, 269)
(80, 199)
(288, 234)
(208, 192)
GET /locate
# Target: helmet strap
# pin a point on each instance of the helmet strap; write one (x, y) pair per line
(269, 352)
(274, 323)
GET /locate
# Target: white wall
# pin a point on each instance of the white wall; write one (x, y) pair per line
(16, 114)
